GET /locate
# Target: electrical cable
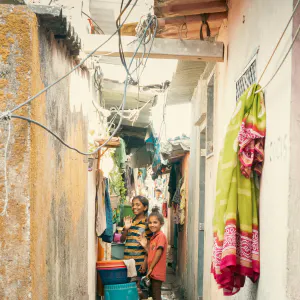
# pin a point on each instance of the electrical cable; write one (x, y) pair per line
(68, 73)
(4, 211)
(118, 21)
(92, 21)
(283, 60)
(116, 129)
(286, 27)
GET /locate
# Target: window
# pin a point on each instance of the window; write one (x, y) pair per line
(246, 79)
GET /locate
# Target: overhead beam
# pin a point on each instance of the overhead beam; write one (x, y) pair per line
(176, 8)
(186, 28)
(162, 48)
(14, 2)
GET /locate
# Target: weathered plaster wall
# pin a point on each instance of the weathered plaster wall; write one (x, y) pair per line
(293, 258)
(44, 249)
(248, 28)
(193, 204)
(17, 27)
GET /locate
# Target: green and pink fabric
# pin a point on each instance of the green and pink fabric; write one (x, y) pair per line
(236, 234)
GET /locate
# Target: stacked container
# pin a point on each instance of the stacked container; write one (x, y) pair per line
(114, 277)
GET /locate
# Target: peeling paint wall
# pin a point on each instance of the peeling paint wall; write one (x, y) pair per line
(46, 236)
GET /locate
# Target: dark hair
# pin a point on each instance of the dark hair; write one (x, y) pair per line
(158, 190)
(155, 213)
(143, 200)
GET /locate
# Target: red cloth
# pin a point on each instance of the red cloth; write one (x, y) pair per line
(165, 209)
(158, 241)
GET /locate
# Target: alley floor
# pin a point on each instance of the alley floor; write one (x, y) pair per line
(171, 289)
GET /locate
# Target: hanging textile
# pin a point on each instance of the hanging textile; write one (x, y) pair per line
(182, 202)
(157, 158)
(236, 235)
(100, 203)
(165, 209)
(120, 154)
(107, 235)
(177, 198)
(172, 182)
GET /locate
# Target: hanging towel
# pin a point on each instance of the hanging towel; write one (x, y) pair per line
(131, 269)
(236, 235)
(108, 234)
(100, 203)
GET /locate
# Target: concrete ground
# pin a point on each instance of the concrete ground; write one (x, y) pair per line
(171, 288)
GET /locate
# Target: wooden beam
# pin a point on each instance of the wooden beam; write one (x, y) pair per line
(171, 8)
(14, 2)
(186, 28)
(113, 143)
(162, 48)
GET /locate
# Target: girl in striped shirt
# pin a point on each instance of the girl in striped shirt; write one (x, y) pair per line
(133, 230)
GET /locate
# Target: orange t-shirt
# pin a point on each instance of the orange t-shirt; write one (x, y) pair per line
(158, 241)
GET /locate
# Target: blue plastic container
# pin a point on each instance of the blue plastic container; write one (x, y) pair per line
(113, 276)
(126, 291)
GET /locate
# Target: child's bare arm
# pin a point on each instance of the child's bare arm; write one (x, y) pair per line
(156, 259)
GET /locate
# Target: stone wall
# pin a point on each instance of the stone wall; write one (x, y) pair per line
(44, 235)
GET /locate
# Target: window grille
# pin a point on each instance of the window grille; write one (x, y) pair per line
(247, 78)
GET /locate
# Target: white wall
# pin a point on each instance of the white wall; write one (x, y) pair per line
(252, 25)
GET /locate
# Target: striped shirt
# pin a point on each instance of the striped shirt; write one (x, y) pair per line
(133, 248)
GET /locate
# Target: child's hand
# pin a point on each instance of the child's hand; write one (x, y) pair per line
(142, 269)
(149, 273)
(142, 240)
(127, 222)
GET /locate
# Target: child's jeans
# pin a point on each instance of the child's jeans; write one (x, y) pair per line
(156, 289)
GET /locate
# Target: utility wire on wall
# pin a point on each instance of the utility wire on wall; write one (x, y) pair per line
(8, 114)
(119, 124)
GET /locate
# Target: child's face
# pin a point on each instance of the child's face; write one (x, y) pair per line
(154, 224)
(138, 208)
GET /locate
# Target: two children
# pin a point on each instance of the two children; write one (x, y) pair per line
(147, 247)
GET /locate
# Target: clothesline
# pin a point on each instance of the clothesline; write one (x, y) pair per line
(275, 49)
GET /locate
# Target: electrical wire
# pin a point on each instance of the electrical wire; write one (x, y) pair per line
(279, 41)
(92, 21)
(282, 62)
(116, 129)
(118, 21)
(4, 115)
(4, 211)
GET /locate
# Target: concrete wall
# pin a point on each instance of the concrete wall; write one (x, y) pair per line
(193, 203)
(183, 235)
(46, 240)
(253, 25)
(293, 258)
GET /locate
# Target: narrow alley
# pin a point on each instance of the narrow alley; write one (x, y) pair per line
(149, 149)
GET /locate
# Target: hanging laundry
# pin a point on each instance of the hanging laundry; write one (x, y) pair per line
(176, 198)
(108, 234)
(172, 182)
(182, 202)
(165, 209)
(157, 158)
(120, 155)
(149, 140)
(100, 203)
(236, 234)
